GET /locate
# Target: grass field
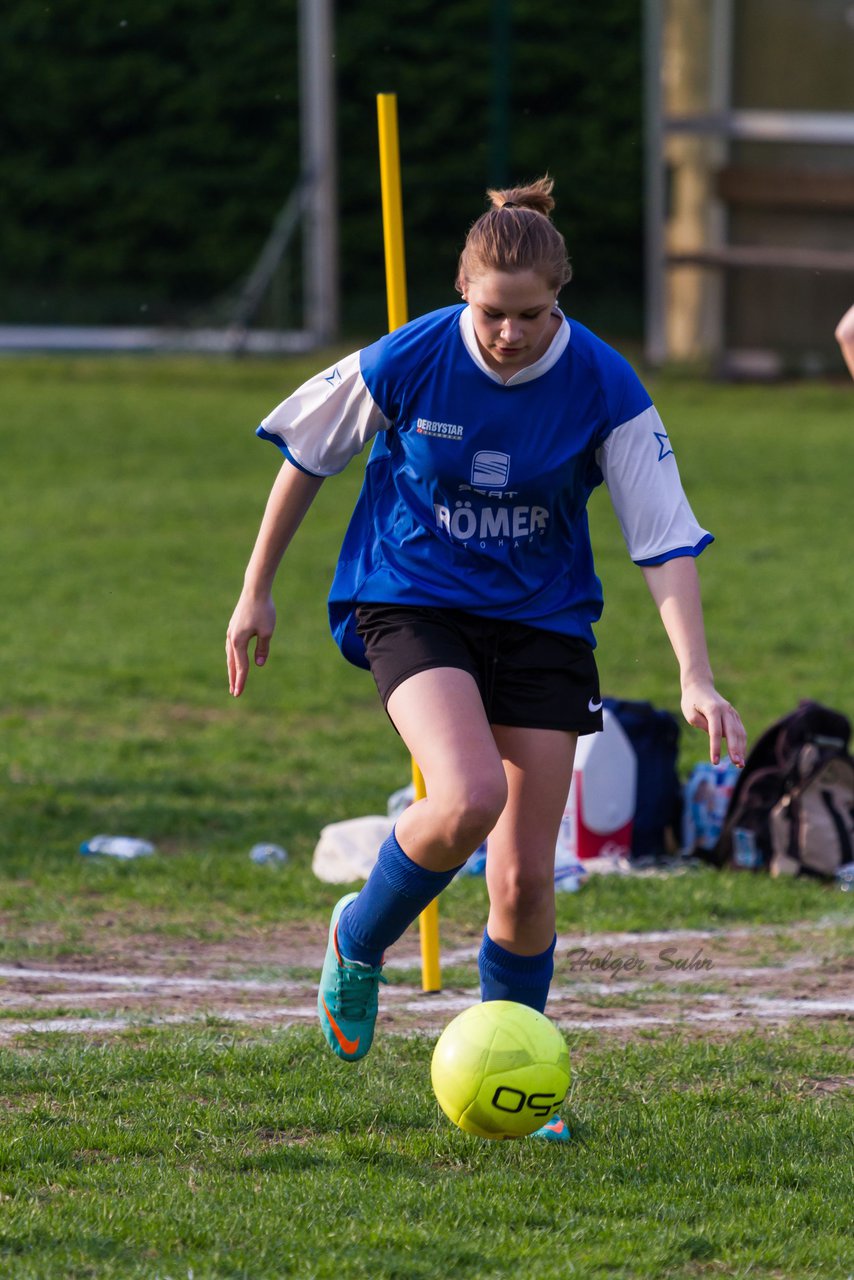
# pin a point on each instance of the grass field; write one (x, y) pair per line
(210, 1155)
(228, 1148)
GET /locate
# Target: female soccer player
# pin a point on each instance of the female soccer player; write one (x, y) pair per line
(845, 337)
(466, 584)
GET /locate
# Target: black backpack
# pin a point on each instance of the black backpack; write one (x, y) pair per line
(792, 807)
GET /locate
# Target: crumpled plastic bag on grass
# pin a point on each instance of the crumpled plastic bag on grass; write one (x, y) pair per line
(347, 851)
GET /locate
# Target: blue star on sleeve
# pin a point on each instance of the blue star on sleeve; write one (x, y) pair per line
(663, 440)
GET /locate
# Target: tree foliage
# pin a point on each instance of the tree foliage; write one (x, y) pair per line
(148, 146)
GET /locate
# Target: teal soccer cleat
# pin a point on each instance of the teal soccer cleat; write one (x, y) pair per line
(554, 1131)
(347, 996)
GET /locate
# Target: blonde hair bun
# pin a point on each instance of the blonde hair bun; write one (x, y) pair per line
(536, 196)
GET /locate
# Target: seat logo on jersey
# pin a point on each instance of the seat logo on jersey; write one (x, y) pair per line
(490, 469)
(487, 524)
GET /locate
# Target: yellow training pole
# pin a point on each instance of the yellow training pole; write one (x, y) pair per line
(395, 274)
(395, 268)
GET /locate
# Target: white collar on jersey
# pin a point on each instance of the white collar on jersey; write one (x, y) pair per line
(550, 356)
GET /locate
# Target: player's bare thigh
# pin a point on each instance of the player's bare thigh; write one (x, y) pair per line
(439, 714)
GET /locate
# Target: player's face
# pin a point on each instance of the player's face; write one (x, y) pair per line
(512, 314)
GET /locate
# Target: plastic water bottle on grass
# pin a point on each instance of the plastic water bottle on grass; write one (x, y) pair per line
(269, 854)
(570, 872)
(845, 877)
(570, 877)
(745, 851)
(122, 847)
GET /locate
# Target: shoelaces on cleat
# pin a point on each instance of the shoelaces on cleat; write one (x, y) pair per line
(357, 990)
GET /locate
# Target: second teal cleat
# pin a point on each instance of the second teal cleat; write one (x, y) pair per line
(554, 1131)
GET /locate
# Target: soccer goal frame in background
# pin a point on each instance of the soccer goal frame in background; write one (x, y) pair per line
(310, 212)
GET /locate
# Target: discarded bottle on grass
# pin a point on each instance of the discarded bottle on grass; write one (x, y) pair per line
(707, 794)
(121, 847)
(745, 851)
(268, 853)
(845, 877)
(570, 876)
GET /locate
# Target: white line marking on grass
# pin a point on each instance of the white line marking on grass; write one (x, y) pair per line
(752, 1007)
(103, 987)
(568, 941)
(765, 1006)
(442, 1003)
(794, 1007)
(93, 1025)
(707, 1007)
(138, 981)
(142, 986)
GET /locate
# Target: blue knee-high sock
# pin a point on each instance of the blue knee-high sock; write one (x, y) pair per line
(395, 894)
(506, 976)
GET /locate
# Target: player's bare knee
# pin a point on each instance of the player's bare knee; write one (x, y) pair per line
(523, 891)
(473, 810)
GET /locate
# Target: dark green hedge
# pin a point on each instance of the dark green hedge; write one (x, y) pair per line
(147, 146)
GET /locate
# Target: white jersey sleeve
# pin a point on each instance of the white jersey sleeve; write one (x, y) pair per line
(639, 468)
(326, 421)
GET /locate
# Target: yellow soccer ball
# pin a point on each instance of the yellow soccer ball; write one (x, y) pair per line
(500, 1070)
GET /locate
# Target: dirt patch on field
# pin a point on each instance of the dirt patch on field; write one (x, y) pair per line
(708, 982)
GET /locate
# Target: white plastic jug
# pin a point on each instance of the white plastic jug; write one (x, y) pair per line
(600, 807)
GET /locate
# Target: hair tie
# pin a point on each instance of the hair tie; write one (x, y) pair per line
(510, 204)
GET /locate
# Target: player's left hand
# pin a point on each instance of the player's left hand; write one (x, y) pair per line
(704, 708)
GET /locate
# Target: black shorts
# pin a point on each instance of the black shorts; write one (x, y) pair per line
(528, 678)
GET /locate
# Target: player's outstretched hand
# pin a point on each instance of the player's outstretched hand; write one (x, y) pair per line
(252, 617)
(704, 708)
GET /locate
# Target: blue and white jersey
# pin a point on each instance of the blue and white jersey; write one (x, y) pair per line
(475, 493)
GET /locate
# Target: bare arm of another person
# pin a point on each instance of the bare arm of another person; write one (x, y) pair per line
(675, 588)
(255, 614)
(845, 338)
